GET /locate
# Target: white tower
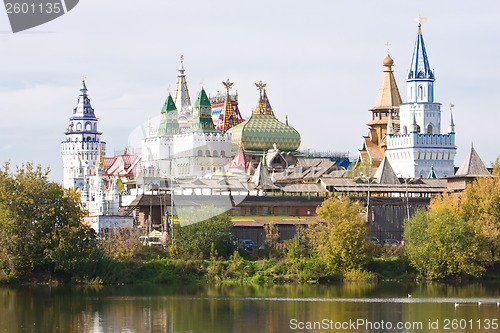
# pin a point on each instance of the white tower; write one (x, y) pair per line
(80, 149)
(420, 146)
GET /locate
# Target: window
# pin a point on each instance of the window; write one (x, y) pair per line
(215, 154)
(207, 153)
(78, 126)
(200, 153)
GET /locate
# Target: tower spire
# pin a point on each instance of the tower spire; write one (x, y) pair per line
(451, 128)
(263, 105)
(228, 116)
(390, 130)
(181, 97)
(420, 67)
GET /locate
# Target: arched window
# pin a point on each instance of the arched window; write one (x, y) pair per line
(421, 92)
(78, 126)
(88, 126)
(215, 154)
(207, 153)
(429, 129)
(200, 153)
(222, 153)
(95, 127)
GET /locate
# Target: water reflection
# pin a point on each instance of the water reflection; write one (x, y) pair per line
(245, 309)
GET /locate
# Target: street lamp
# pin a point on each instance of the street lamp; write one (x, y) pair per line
(407, 180)
(368, 180)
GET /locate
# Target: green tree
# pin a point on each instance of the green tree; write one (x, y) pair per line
(441, 243)
(273, 247)
(338, 238)
(195, 239)
(480, 203)
(40, 226)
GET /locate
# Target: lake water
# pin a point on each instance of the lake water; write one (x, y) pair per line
(343, 307)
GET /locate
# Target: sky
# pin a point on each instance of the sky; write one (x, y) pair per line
(321, 60)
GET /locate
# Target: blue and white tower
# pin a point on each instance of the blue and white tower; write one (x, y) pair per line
(420, 146)
(81, 147)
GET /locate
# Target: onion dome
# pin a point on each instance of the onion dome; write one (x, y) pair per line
(263, 131)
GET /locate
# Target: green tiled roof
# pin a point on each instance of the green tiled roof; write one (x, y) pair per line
(261, 131)
(169, 105)
(202, 114)
(168, 124)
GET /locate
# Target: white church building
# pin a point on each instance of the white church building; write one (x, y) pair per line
(420, 148)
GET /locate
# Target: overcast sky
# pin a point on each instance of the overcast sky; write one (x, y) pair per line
(321, 60)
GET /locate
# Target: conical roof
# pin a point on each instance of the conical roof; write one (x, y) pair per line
(261, 178)
(388, 95)
(385, 173)
(228, 117)
(83, 109)
(420, 67)
(181, 97)
(168, 124)
(202, 114)
(472, 165)
(239, 160)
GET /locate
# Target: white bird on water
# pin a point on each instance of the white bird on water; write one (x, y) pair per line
(409, 295)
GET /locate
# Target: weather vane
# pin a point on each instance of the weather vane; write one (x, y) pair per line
(261, 86)
(420, 20)
(228, 84)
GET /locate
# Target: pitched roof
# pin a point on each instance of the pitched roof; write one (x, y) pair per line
(239, 160)
(472, 165)
(385, 173)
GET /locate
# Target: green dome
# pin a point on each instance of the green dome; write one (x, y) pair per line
(261, 131)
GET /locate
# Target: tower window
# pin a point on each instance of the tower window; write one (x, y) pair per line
(421, 92)
(78, 126)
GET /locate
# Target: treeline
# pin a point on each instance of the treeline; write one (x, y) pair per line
(458, 236)
(42, 238)
(41, 230)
